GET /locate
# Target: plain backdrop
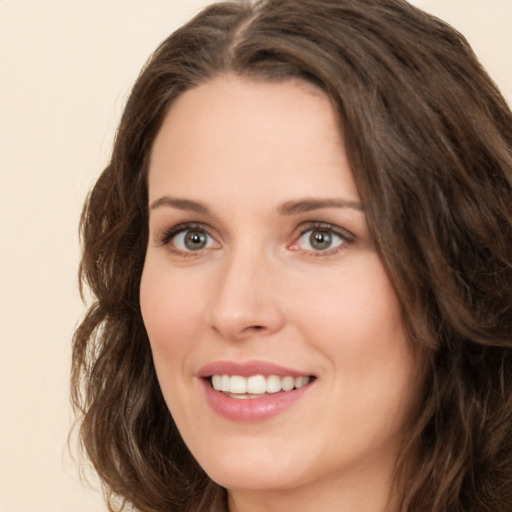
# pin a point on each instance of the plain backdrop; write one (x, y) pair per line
(66, 67)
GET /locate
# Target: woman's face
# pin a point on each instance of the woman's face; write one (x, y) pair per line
(261, 280)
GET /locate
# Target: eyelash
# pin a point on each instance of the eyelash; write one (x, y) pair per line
(183, 228)
(346, 237)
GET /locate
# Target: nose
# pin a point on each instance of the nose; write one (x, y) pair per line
(245, 299)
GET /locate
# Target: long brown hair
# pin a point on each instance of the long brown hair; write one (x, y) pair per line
(429, 139)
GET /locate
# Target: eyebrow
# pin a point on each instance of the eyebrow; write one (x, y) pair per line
(288, 208)
(180, 204)
(308, 205)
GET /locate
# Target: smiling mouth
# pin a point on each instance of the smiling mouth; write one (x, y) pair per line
(256, 386)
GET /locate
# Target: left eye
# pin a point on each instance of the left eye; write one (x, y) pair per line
(192, 240)
(319, 240)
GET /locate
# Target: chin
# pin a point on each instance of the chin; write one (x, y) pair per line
(254, 479)
(258, 470)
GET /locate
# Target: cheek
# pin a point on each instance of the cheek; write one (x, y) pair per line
(357, 323)
(357, 311)
(170, 311)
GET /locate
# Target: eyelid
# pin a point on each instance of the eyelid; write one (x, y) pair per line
(166, 237)
(346, 236)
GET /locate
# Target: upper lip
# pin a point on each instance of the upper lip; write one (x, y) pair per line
(248, 368)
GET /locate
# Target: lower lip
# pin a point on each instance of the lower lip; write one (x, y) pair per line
(252, 409)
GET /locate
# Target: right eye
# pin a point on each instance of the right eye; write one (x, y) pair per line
(189, 239)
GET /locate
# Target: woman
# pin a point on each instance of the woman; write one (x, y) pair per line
(301, 257)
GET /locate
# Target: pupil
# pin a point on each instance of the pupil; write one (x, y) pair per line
(195, 240)
(320, 240)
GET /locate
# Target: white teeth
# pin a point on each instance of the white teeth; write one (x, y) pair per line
(237, 385)
(256, 384)
(288, 383)
(301, 381)
(273, 384)
(224, 383)
(217, 382)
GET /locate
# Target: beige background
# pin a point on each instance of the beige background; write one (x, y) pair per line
(66, 68)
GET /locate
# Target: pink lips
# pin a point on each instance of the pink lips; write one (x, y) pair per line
(251, 409)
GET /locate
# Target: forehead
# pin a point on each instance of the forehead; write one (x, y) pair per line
(250, 135)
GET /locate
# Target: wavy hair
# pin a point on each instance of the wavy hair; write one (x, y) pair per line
(429, 140)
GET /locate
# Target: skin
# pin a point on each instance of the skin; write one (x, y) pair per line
(259, 290)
